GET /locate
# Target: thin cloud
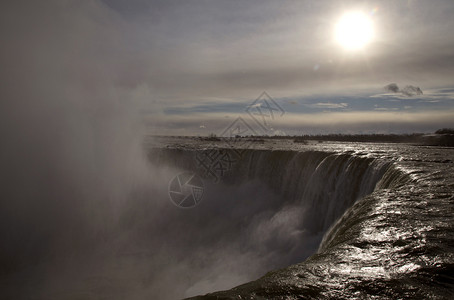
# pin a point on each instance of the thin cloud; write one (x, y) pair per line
(428, 96)
(328, 105)
(342, 122)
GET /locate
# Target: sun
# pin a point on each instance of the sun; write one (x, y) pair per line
(354, 31)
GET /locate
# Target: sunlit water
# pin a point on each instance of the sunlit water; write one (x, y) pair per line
(397, 242)
(322, 220)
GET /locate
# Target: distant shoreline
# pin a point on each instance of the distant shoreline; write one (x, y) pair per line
(444, 140)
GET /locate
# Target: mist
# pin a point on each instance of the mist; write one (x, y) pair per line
(83, 211)
(71, 136)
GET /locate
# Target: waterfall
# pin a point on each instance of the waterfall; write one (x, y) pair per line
(325, 184)
(277, 207)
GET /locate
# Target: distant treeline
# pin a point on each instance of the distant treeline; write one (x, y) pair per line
(383, 138)
(442, 137)
(377, 138)
(445, 131)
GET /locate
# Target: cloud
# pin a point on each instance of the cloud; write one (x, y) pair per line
(386, 108)
(408, 91)
(187, 52)
(328, 105)
(392, 87)
(381, 120)
(257, 105)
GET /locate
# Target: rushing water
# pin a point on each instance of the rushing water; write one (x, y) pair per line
(396, 242)
(280, 220)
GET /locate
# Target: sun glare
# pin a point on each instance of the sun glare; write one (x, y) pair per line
(354, 30)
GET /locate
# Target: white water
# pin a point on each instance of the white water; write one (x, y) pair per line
(271, 210)
(273, 207)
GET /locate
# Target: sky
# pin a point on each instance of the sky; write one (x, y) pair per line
(210, 59)
(192, 67)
